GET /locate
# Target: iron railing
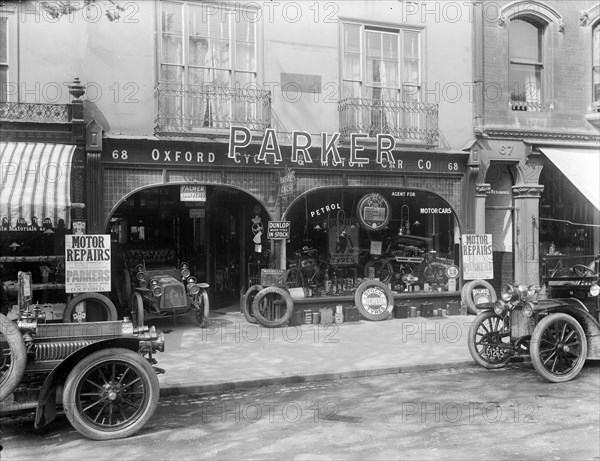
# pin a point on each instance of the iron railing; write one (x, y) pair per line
(34, 112)
(529, 106)
(413, 122)
(192, 108)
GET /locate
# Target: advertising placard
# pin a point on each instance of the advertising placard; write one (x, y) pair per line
(477, 254)
(278, 230)
(189, 193)
(87, 263)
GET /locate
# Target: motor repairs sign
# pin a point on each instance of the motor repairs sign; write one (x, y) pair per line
(87, 263)
(478, 261)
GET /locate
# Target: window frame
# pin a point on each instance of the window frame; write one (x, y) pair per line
(595, 101)
(385, 28)
(11, 63)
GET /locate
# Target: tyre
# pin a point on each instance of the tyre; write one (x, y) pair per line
(247, 302)
(435, 272)
(203, 311)
(267, 304)
(111, 394)
(381, 268)
(468, 294)
(137, 310)
(374, 300)
(13, 357)
(293, 278)
(90, 307)
(558, 347)
(487, 332)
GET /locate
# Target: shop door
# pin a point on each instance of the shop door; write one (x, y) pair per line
(226, 256)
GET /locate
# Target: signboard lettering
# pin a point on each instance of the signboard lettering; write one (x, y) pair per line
(477, 256)
(278, 230)
(191, 193)
(87, 263)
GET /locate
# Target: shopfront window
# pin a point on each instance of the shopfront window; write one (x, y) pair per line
(406, 238)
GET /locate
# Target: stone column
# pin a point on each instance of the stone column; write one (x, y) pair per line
(481, 191)
(526, 250)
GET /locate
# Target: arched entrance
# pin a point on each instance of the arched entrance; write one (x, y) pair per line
(211, 227)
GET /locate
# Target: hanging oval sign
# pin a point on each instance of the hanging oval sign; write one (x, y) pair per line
(373, 211)
(374, 300)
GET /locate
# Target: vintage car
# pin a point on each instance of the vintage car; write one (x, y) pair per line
(100, 373)
(557, 325)
(160, 292)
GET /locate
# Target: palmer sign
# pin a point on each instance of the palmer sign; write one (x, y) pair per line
(241, 149)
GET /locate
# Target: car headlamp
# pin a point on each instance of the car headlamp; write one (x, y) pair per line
(157, 291)
(140, 276)
(528, 309)
(191, 279)
(532, 291)
(184, 266)
(139, 268)
(509, 293)
(595, 289)
(194, 289)
(499, 307)
(185, 273)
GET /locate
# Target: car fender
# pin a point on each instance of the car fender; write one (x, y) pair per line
(46, 404)
(575, 308)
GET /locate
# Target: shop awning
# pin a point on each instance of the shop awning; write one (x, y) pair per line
(581, 167)
(35, 184)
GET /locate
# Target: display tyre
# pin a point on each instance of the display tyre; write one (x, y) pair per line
(266, 310)
(374, 300)
(382, 270)
(102, 308)
(111, 394)
(486, 333)
(558, 347)
(467, 294)
(13, 359)
(203, 311)
(247, 302)
(137, 309)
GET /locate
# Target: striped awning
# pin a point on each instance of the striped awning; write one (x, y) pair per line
(35, 184)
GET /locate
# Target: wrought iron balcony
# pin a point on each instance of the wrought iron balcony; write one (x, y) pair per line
(34, 112)
(530, 106)
(412, 122)
(195, 108)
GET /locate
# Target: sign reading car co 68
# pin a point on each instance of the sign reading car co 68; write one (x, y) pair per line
(278, 230)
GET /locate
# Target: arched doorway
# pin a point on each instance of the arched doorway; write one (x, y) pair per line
(208, 226)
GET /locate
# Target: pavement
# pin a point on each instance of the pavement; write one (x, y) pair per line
(230, 353)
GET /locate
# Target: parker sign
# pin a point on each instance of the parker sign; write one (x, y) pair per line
(87, 263)
(478, 262)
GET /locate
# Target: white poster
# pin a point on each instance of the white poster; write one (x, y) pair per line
(478, 261)
(87, 263)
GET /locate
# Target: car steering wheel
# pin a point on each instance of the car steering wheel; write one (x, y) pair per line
(581, 270)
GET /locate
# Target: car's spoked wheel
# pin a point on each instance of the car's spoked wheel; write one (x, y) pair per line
(111, 394)
(294, 278)
(202, 311)
(381, 269)
(489, 340)
(137, 309)
(13, 356)
(558, 347)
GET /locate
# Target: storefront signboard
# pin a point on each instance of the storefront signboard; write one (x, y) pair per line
(192, 193)
(272, 277)
(197, 212)
(87, 263)
(287, 183)
(373, 211)
(477, 256)
(374, 300)
(278, 230)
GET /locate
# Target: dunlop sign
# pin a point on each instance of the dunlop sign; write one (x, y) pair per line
(87, 263)
(278, 230)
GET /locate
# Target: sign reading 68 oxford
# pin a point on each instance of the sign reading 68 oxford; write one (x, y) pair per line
(374, 300)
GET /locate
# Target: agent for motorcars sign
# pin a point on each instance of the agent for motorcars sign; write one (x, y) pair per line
(87, 263)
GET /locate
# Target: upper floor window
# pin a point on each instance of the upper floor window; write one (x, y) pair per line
(380, 63)
(526, 63)
(207, 59)
(596, 68)
(3, 58)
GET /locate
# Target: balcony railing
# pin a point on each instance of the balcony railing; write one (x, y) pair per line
(196, 108)
(529, 106)
(412, 122)
(34, 112)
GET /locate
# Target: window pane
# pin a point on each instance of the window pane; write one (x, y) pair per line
(3, 83)
(351, 66)
(219, 54)
(172, 19)
(172, 49)
(390, 46)
(596, 80)
(525, 41)
(524, 82)
(198, 51)
(3, 41)
(351, 38)
(596, 46)
(172, 74)
(244, 56)
(410, 72)
(411, 45)
(244, 30)
(374, 44)
(351, 90)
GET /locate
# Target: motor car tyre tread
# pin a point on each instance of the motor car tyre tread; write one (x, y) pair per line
(203, 313)
(109, 306)
(289, 304)
(534, 347)
(247, 302)
(137, 309)
(468, 293)
(18, 357)
(471, 340)
(80, 370)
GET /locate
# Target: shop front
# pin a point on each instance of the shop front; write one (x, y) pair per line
(327, 215)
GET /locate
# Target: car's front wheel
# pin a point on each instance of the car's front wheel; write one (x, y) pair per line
(111, 394)
(489, 340)
(558, 347)
(13, 356)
